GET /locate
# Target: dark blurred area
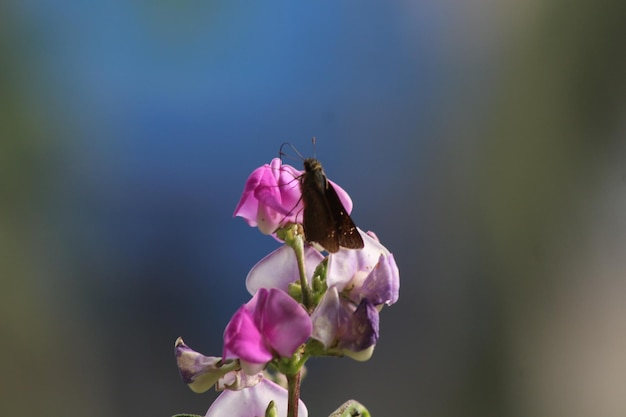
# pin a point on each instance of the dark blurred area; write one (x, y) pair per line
(483, 142)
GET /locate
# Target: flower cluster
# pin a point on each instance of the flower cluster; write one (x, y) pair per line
(304, 303)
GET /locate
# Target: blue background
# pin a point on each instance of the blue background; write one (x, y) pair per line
(482, 141)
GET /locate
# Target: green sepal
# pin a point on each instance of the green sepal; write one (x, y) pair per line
(295, 291)
(321, 269)
(316, 348)
(292, 365)
(271, 410)
(318, 283)
(291, 234)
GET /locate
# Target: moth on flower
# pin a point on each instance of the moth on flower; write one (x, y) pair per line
(326, 221)
(276, 194)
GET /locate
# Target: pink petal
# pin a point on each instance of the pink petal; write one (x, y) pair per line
(268, 219)
(288, 179)
(248, 205)
(243, 340)
(271, 197)
(283, 323)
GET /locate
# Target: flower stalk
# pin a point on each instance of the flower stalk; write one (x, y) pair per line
(294, 238)
(293, 387)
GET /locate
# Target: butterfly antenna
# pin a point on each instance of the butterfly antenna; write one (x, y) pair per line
(293, 148)
(313, 141)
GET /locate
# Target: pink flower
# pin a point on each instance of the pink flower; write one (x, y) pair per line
(271, 323)
(272, 197)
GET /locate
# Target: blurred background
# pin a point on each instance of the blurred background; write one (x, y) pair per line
(483, 141)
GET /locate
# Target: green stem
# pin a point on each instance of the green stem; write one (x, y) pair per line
(298, 247)
(293, 386)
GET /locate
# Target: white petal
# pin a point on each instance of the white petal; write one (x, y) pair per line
(252, 402)
(326, 319)
(343, 265)
(280, 268)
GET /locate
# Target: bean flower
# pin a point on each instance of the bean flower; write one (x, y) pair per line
(359, 284)
(270, 324)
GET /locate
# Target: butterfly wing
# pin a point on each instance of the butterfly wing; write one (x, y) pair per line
(347, 234)
(318, 220)
(325, 219)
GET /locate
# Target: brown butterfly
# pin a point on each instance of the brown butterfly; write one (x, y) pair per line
(325, 220)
